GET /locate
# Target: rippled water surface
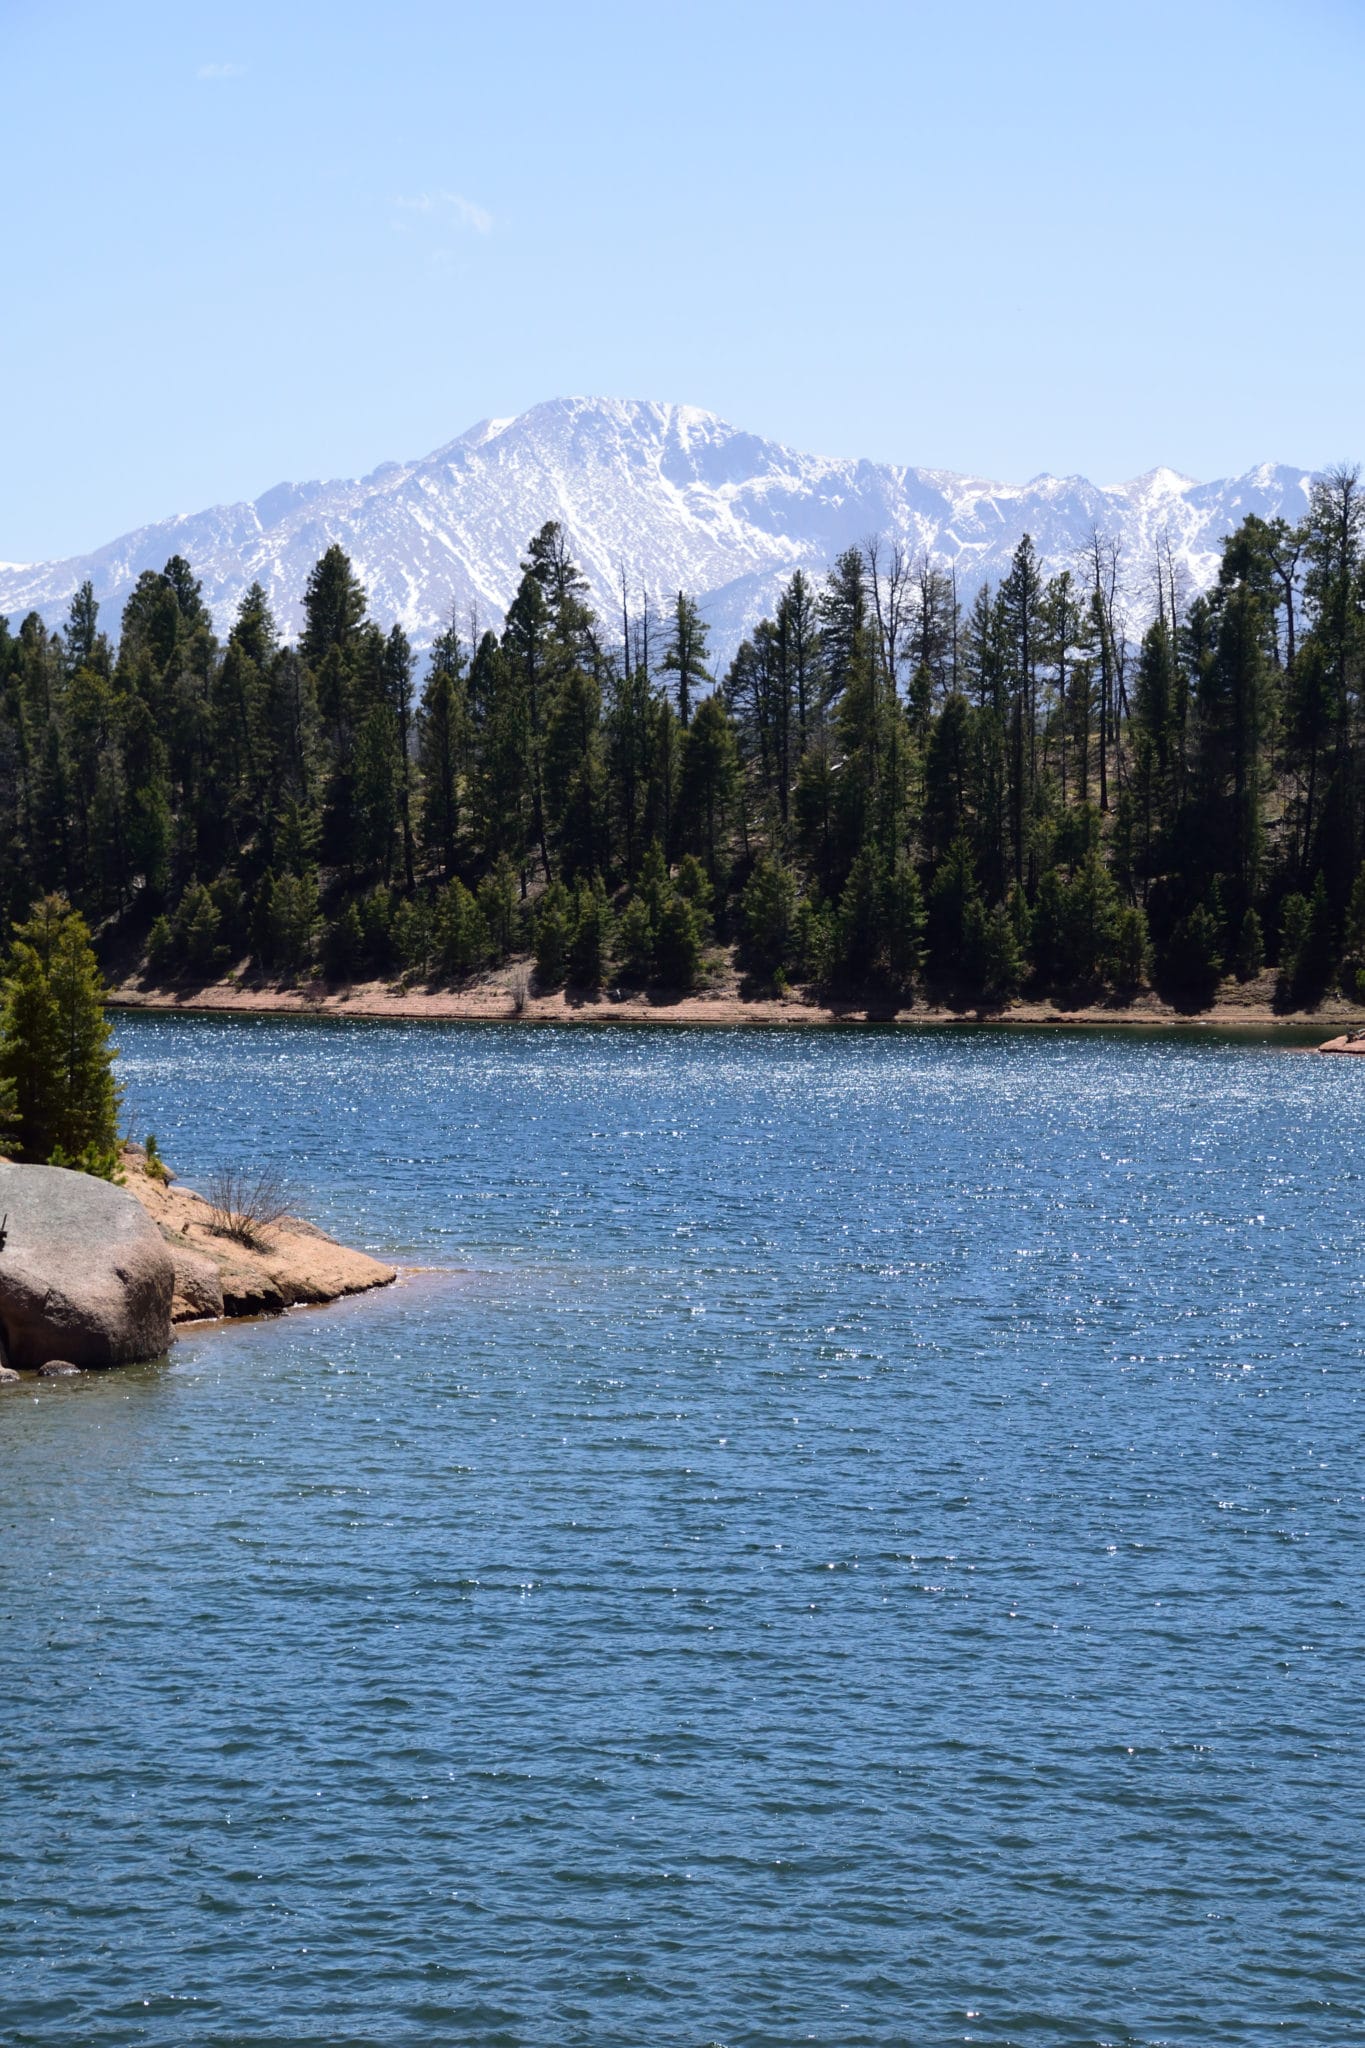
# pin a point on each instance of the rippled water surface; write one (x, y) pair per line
(853, 1539)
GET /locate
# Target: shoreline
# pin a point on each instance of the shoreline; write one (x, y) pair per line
(491, 999)
(288, 1263)
(105, 1275)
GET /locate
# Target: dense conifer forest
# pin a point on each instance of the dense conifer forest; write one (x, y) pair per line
(887, 790)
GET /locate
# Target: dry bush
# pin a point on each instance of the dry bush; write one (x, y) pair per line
(519, 987)
(245, 1201)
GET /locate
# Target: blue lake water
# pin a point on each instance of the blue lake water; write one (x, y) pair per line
(854, 1539)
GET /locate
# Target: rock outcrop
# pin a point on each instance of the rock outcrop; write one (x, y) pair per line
(292, 1263)
(85, 1276)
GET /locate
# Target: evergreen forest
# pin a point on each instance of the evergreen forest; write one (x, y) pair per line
(888, 791)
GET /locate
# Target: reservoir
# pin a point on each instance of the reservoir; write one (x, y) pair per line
(838, 1537)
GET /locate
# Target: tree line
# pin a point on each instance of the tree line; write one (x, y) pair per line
(887, 789)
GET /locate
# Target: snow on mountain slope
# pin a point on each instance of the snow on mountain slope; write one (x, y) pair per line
(670, 496)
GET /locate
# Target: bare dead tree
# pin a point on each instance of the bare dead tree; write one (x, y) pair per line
(889, 583)
(519, 987)
(1102, 555)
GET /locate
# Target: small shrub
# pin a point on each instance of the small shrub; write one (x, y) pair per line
(100, 1161)
(246, 1201)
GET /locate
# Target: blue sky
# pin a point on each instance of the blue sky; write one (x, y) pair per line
(252, 242)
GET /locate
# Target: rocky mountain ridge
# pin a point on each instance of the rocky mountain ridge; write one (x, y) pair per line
(664, 496)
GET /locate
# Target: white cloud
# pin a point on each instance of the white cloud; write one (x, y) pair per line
(450, 206)
(221, 71)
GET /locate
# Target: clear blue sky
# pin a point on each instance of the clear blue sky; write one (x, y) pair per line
(247, 242)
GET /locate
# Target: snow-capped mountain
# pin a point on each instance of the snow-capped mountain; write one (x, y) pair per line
(668, 496)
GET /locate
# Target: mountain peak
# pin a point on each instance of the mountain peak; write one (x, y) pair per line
(668, 495)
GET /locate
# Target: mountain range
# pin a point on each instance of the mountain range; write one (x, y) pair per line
(668, 496)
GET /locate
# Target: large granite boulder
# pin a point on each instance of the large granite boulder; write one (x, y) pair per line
(85, 1274)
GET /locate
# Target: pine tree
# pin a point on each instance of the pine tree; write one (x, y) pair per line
(1250, 956)
(903, 926)
(333, 608)
(377, 792)
(55, 1045)
(531, 674)
(294, 918)
(707, 788)
(30, 1053)
(412, 936)
(196, 925)
(994, 946)
(768, 912)
(948, 776)
(860, 917)
(398, 700)
(442, 738)
(955, 911)
(1353, 940)
(635, 940)
(498, 903)
(861, 747)
(263, 921)
(628, 721)
(1193, 963)
(554, 930)
(343, 945)
(1021, 596)
(685, 655)
(462, 938)
(1232, 711)
(574, 778)
(677, 944)
(591, 941)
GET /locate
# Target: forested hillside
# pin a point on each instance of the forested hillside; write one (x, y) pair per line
(882, 792)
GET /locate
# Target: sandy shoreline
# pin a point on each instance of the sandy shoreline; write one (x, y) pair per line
(1249, 1006)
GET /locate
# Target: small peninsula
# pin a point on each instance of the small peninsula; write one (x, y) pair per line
(96, 1273)
(287, 1263)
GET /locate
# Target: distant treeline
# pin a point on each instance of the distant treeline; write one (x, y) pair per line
(885, 791)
